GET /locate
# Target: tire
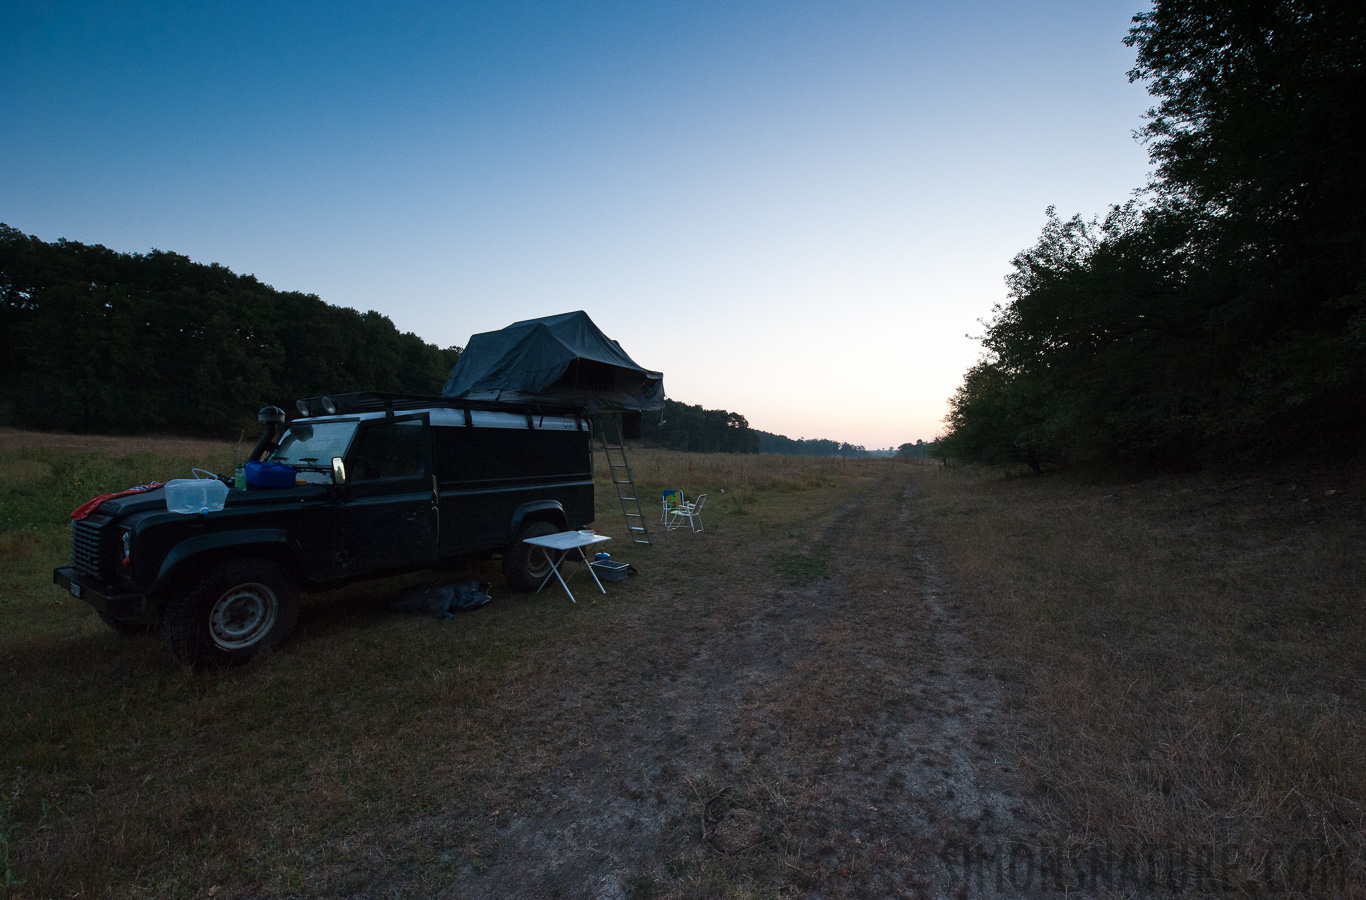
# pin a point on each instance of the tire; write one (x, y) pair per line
(524, 566)
(129, 629)
(242, 609)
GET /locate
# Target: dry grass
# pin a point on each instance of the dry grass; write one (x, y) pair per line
(767, 710)
(1190, 651)
(376, 749)
(15, 439)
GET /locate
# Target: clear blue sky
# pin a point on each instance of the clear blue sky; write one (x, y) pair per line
(796, 210)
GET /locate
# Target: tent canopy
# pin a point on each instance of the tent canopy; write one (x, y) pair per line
(562, 360)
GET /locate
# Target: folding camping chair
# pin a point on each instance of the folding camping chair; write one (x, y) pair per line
(672, 500)
(690, 511)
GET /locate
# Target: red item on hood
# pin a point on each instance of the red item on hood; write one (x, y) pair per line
(86, 509)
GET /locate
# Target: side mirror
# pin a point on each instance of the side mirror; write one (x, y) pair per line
(338, 470)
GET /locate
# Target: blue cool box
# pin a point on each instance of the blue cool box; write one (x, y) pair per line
(268, 474)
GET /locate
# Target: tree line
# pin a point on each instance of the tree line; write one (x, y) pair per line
(100, 341)
(921, 449)
(93, 340)
(778, 443)
(1223, 312)
(680, 426)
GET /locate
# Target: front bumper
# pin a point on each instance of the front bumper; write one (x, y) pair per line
(124, 606)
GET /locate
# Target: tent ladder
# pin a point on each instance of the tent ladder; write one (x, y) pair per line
(610, 434)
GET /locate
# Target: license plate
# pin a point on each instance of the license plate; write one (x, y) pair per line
(75, 590)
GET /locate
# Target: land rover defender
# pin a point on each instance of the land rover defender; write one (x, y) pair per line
(375, 485)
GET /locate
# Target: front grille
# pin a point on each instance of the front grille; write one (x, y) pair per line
(91, 553)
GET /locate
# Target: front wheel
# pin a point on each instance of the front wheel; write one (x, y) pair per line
(243, 608)
(524, 565)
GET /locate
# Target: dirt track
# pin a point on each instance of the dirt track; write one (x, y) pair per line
(832, 735)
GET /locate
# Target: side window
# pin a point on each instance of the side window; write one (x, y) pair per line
(387, 450)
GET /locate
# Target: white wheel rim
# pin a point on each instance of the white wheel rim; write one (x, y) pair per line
(243, 616)
(538, 566)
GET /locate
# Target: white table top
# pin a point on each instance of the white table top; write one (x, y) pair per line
(566, 540)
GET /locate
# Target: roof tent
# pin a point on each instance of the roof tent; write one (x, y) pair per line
(562, 360)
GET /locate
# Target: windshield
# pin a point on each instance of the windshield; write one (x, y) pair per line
(315, 444)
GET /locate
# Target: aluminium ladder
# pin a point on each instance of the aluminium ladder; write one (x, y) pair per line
(609, 431)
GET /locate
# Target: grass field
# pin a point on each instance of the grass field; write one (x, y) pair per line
(856, 668)
(1189, 653)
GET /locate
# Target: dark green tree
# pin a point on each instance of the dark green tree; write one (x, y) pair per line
(690, 427)
(1225, 313)
(1257, 139)
(96, 340)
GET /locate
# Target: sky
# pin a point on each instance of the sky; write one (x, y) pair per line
(797, 211)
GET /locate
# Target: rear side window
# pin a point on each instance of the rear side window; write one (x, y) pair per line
(387, 450)
(493, 454)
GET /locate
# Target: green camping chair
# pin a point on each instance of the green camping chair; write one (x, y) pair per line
(672, 500)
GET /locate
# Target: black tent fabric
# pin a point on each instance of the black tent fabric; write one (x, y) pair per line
(562, 360)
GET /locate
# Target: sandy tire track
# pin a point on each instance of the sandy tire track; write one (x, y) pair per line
(833, 737)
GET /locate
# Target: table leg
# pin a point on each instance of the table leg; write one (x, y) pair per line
(555, 570)
(546, 554)
(591, 570)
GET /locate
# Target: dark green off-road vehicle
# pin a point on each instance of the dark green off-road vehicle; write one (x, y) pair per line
(380, 485)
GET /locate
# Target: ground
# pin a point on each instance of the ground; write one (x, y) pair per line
(785, 703)
(862, 679)
(833, 733)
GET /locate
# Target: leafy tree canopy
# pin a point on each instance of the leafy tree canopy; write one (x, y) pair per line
(1226, 311)
(682, 427)
(95, 340)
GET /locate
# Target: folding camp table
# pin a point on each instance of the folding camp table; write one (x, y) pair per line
(564, 542)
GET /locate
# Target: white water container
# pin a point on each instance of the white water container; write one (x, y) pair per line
(194, 495)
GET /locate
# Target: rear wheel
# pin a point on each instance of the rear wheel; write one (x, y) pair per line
(525, 566)
(243, 608)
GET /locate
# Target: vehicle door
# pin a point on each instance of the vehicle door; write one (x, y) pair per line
(390, 514)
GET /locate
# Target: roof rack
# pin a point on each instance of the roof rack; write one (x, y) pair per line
(381, 401)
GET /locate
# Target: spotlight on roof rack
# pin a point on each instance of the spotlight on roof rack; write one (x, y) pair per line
(301, 406)
(329, 406)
